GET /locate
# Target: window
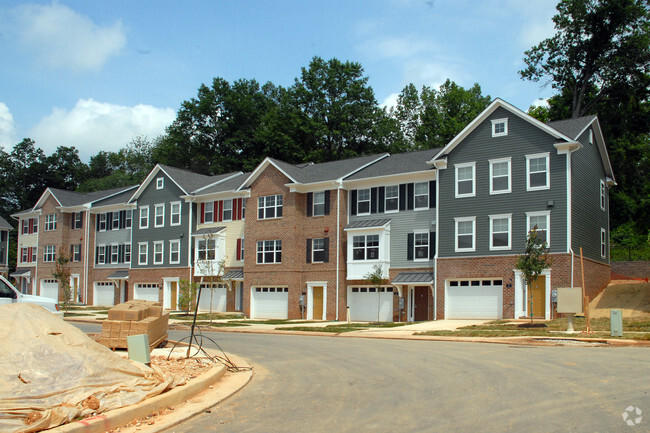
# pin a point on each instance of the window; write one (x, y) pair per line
(500, 176)
(603, 199)
(77, 220)
(363, 202)
(76, 252)
(541, 221)
(227, 210)
(115, 253)
(421, 190)
(144, 217)
(319, 204)
(25, 225)
(318, 250)
(116, 221)
(143, 253)
(466, 180)
(160, 183)
(465, 234)
(499, 127)
(49, 254)
(365, 247)
(128, 218)
(269, 207)
(127, 253)
(34, 254)
(175, 252)
(500, 228)
(391, 203)
(269, 251)
(101, 254)
(50, 222)
(102, 222)
(421, 246)
(159, 215)
(158, 251)
(591, 136)
(24, 255)
(537, 173)
(206, 249)
(603, 243)
(175, 214)
(35, 229)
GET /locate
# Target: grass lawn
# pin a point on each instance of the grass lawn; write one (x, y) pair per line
(637, 328)
(205, 316)
(274, 321)
(219, 324)
(343, 327)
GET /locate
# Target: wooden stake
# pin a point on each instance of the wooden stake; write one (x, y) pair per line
(582, 271)
(587, 318)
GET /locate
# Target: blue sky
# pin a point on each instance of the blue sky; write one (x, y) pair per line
(94, 74)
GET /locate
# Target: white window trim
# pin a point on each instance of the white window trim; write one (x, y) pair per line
(115, 219)
(414, 195)
(428, 237)
(128, 219)
(603, 243)
(369, 201)
(603, 195)
(501, 216)
(101, 257)
(162, 252)
(160, 183)
(102, 216)
(275, 206)
(171, 213)
(386, 198)
(127, 244)
(49, 250)
(314, 204)
(115, 247)
(547, 214)
(465, 219)
(313, 260)
(50, 220)
(223, 210)
(140, 225)
(591, 136)
(495, 122)
(548, 172)
(205, 212)
(155, 215)
(146, 253)
(463, 165)
(275, 251)
(498, 161)
(176, 242)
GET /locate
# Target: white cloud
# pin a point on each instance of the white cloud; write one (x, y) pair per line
(398, 47)
(92, 126)
(7, 128)
(64, 39)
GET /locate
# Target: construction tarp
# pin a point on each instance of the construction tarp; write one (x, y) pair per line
(52, 373)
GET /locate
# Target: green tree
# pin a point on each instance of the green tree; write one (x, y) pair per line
(533, 262)
(64, 169)
(62, 274)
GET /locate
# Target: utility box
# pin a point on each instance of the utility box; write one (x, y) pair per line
(569, 300)
(616, 322)
(139, 348)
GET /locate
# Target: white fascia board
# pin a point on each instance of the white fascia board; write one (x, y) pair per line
(112, 207)
(358, 169)
(196, 191)
(259, 169)
(602, 148)
(44, 197)
(312, 187)
(415, 176)
(27, 214)
(217, 196)
(145, 183)
(567, 147)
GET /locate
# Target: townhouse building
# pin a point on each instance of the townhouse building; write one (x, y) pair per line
(5, 228)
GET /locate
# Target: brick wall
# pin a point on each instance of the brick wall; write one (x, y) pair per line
(639, 269)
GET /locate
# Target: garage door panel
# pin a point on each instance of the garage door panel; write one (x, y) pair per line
(475, 302)
(213, 299)
(104, 294)
(50, 289)
(270, 303)
(364, 304)
(146, 292)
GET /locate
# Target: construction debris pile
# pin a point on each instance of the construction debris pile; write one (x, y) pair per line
(133, 318)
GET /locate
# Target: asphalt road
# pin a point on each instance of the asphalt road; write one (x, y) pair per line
(325, 384)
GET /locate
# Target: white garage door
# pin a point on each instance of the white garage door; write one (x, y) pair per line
(269, 302)
(474, 299)
(213, 299)
(367, 305)
(50, 289)
(147, 292)
(104, 293)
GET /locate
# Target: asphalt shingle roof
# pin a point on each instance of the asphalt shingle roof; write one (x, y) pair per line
(571, 127)
(228, 185)
(71, 198)
(311, 173)
(4, 224)
(119, 275)
(191, 181)
(119, 198)
(397, 164)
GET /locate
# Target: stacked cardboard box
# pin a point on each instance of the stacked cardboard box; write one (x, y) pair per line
(133, 318)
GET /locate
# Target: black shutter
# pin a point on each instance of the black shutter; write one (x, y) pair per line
(373, 200)
(310, 203)
(432, 194)
(353, 202)
(120, 253)
(402, 197)
(71, 253)
(410, 196)
(107, 254)
(72, 215)
(80, 252)
(96, 255)
(327, 202)
(409, 246)
(278, 212)
(308, 250)
(109, 221)
(82, 220)
(382, 197)
(122, 219)
(97, 220)
(432, 244)
(326, 259)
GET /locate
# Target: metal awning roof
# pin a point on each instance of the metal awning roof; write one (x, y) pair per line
(234, 275)
(21, 273)
(413, 278)
(119, 275)
(367, 224)
(208, 231)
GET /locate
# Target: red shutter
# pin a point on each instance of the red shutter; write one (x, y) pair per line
(240, 202)
(29, 254)
(31, 225)
(239, 249)
(202, 213)
(219, 205)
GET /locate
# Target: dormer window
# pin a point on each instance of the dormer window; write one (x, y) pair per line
(499, 127)
(160, 183)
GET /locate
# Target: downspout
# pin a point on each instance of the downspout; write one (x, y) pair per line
(86, 246)
(569, 213)
(435, 256)
(189, 240)
(338, 243)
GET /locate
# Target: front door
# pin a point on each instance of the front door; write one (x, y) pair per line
(421, 301)
(317, 298)
(538, 292)
(174, 293)
(74, 289)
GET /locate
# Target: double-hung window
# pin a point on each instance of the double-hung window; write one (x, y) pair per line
(208, 212)
(160, 183)
(159, 215)
(421, 191)
(500, 229)
(318, 250)
(227, 210)
(115, 253)
(269, 206)
(175, 213)
(144, 217)
(603, 196)
(319, 204)
(128, 219)
(537, 172)
(77, 220)
(365, 247)
(76, 252)
(269, 251)
(391, 202)
(158, 252)
(421, 246)
(49, 253)
(465, 179)
(175, 252)
(101, 254)
(465, 234)
(116, 221)
(127, 253)
(541, 220)
(50, 222)
(143, 253)
(206, 249)
(603, 243)
(102, 222)
(500, 176)
(363, 202)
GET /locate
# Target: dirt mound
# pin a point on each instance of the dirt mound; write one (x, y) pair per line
(632, 298)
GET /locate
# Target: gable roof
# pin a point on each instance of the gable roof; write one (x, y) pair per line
(399, 163)
(4, 225)
(67, 198)
(231, 184)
